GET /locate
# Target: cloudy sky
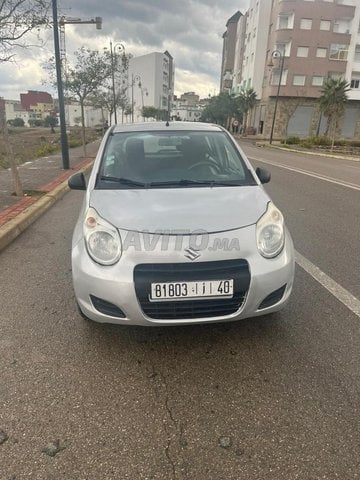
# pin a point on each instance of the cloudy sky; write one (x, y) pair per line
(191, 30)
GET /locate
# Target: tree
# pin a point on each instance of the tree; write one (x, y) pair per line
(10, 153)
(288, 109)
(17, 18)
(51, 121)
(150, 112)
(221, 109)
(247, 100)
(332, 104)
(16, 122)
(84, 79)
(119, 66)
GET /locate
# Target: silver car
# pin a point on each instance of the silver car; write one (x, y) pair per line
(176, 228)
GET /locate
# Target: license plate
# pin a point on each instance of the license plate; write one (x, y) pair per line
(199, 289)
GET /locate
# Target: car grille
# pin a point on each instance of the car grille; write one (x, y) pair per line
(145, 274)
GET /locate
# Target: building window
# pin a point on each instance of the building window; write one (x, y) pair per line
(321, 52)
(305, 24)
(355, 83)
(338, 52)
(342, 25)
(284, 48)
(285, 21)
(302, 52)
(325, 24)
(299, 80)
(275, 77)
(317, 81)
(357, 53)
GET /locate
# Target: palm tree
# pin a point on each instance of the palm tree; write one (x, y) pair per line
(332, 104)
(247, 102)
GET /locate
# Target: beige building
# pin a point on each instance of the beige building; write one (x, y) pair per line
(310, 40)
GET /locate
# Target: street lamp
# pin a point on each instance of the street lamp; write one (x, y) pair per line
(143, 89)
(134, 78)
(121, 48)
(63, 135)
(276, 54)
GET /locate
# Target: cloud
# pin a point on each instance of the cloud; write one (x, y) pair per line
(191, 30)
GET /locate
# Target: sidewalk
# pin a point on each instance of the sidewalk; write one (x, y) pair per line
(44, 175)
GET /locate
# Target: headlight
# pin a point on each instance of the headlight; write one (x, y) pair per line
(270, 232)
(102, 239)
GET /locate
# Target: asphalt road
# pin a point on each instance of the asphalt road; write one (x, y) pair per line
(268, 398)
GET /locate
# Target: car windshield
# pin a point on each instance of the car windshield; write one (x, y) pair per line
(172, 159)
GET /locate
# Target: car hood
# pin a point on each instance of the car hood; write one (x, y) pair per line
(182, 210)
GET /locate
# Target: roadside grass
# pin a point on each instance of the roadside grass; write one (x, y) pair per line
(31, 143)
(32, 193)
(323, 144)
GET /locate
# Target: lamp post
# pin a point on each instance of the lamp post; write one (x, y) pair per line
(134, 78)
(276, 54)
(113, 64)
(142, 89)
(64, 139)
(65, 20)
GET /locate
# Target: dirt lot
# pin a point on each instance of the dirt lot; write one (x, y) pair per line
(30, 143)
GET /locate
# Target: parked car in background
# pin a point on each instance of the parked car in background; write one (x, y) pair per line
(176, 228)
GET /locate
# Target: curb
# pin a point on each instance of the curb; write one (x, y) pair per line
(14, 227)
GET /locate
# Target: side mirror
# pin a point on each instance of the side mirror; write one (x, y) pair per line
(77, 182)
(263, 175)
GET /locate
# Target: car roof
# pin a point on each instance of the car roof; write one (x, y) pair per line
(166, 126)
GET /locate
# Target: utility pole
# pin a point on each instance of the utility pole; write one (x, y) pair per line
(64, 140)
(281, 55)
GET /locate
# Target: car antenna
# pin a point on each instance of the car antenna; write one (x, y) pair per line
(167, 124)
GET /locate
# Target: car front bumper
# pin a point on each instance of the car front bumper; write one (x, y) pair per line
(115, 284)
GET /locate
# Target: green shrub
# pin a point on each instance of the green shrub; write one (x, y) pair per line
(340, 143)
(320, 141)
(293, 140)
(16, 122)
(306, 144)
(73, 142)
(46, 149)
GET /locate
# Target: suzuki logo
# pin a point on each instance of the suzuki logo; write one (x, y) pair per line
(191, 253)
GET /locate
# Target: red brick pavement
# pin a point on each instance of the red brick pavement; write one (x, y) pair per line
(11, 212)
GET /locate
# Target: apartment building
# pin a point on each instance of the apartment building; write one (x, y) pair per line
(230, 37)
(151, 82)
(309, 40)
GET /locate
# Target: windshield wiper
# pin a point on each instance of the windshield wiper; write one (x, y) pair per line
(177, 182)
(123, 181)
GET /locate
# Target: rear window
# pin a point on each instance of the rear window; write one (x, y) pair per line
(173, 158)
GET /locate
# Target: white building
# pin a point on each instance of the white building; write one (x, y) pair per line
(150, 82)
(185, 112)
(93, 116)
(13, 109)
(353, 60)
(255, 46)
